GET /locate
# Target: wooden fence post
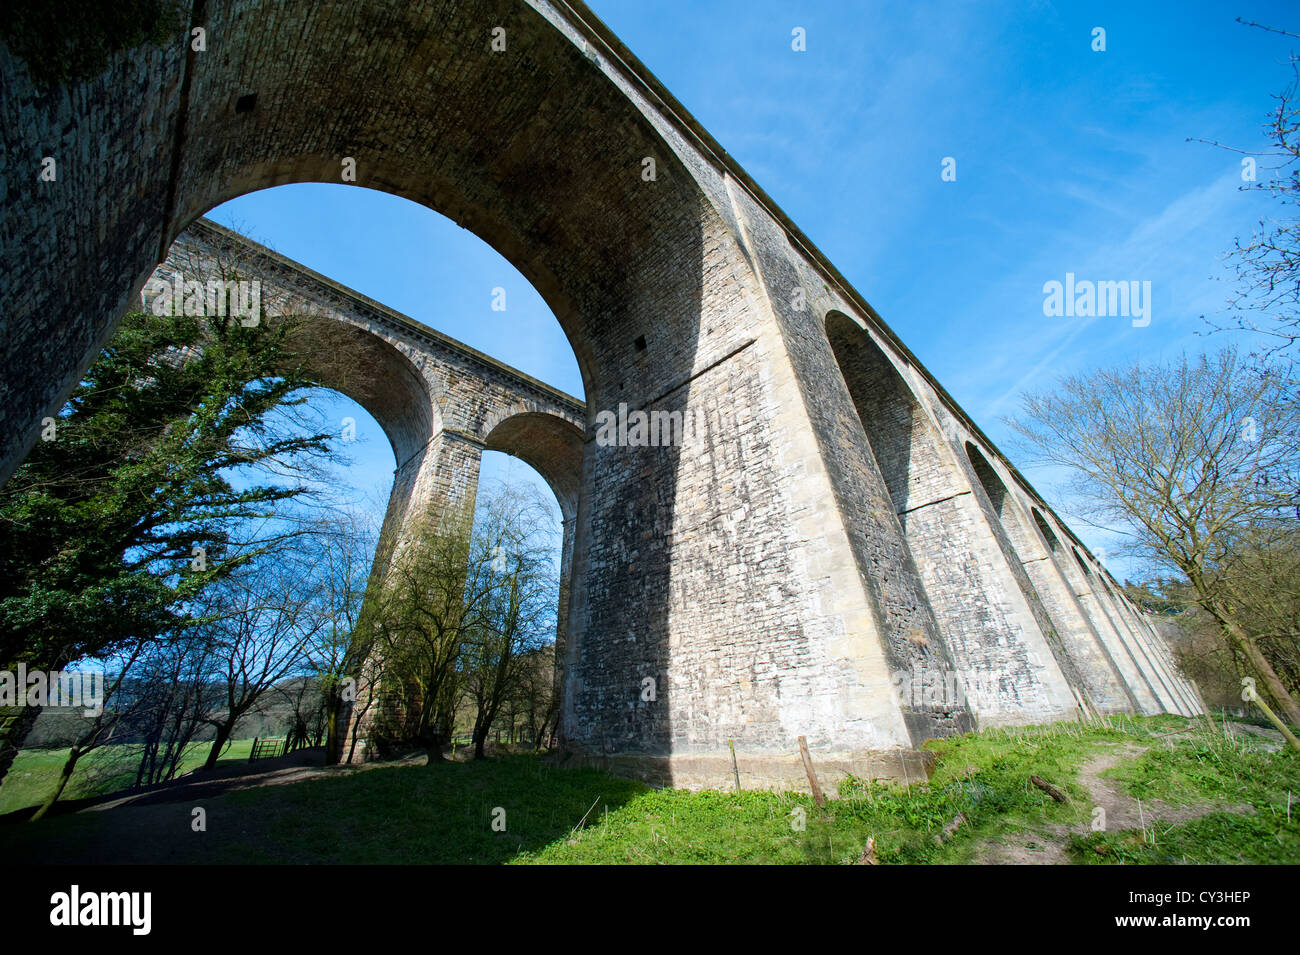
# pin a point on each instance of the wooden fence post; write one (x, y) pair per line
(818, 798)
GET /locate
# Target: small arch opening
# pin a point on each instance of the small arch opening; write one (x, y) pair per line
(988, 478)
(1046, 530)
(900, 434)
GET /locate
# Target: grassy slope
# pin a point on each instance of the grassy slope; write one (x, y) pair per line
(1206, 767)
(101, 771)
(443, 813)
(984, 776)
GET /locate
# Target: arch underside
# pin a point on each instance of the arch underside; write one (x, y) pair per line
(551, 446)
(534, 150)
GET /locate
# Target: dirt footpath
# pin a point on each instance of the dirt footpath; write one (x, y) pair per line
(1046, 845)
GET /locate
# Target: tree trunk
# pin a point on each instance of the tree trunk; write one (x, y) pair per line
(351, 731)
(65, 774)
(433, 746)
(223, 734)
(332, 735)
(479, 736)
(1276, 689)
(555, 739)
(430, 738)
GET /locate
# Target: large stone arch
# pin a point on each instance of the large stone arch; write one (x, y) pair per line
(347, 357)
(440, 402)
(549, 444)
(536, 150)
(552, 446)
(375, 374)
(341, 357)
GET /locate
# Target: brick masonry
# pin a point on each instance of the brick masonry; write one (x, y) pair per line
(829, 531)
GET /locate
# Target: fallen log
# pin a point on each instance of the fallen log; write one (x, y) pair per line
(1048, 788)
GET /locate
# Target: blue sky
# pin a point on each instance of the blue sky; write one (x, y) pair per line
(1067, 160)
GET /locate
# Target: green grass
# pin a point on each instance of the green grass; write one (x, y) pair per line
(102, 771)
(389, 814)
(985, 777)
(1207, 766)
(444, 812)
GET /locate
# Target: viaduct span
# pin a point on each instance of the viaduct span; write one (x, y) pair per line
(440, 402)
(841, 545)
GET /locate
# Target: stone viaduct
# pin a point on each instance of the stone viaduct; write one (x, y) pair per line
(842, 545)
(440, 402)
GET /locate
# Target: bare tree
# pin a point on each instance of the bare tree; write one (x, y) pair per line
(98, 728)
(341, 547)
(262, 620)
(1268, 263)
(516, 537)
(174, 698)
(533, 697)
(1196, 461)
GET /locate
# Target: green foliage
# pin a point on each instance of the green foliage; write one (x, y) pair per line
(431, 593)
(983, 777)
(463, 603)
(98, 527)
(1218, 839)
(63, 40)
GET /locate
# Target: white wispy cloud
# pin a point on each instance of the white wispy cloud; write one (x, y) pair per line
(1156, 249)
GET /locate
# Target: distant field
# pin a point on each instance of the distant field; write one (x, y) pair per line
(102, 771)
(1206, 796)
